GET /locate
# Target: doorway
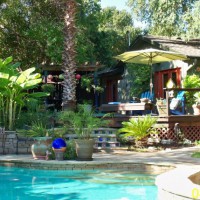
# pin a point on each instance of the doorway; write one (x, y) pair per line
(161, 79)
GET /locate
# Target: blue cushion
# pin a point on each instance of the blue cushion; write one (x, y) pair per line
(114, 103)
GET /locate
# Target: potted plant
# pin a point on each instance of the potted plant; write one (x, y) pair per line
(191, 81)
(196, 105)
(42, 139)
(82, 122)
(138, 129)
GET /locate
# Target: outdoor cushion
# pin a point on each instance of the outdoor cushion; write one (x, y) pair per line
(114, 103)
(174, 103)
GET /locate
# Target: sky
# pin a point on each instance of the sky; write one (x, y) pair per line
(119, 4)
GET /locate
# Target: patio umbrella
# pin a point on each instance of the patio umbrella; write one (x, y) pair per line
(149, 57)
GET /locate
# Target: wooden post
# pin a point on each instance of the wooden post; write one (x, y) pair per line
(167, 102)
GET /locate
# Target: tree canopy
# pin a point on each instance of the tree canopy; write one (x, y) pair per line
(168, 17)
(32, 31)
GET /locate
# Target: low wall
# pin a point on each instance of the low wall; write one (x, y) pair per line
(11, 144)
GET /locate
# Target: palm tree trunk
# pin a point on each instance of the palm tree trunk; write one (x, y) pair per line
(69, 54)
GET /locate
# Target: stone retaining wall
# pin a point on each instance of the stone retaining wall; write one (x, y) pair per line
(10, 143)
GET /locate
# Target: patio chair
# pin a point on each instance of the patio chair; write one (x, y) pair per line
(177, 105)
(147, 95)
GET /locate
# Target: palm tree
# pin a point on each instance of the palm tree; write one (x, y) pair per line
(69, 54)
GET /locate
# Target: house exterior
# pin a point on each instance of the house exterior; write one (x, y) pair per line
(162, 72)
(176, 70)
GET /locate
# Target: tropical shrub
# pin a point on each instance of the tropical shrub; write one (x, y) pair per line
(138, 128)
(82, 121)
(14, 87)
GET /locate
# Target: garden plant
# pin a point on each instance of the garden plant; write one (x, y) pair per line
(14, 87)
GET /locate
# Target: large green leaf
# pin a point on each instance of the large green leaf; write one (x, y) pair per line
(31, 84)
(25, 75)
(39, 94)
(7, 61)
(13, 78)
(4, 75)
(4, 82)
(16, 65)
(19, 99)
(34, 76)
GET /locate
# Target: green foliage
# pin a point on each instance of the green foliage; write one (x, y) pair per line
(87, 82)
(35, 112)
(168, 18)
(140, 78)
(191, 23)
(49, 88)
(191, 81)
(197, 98)
(138, 128)
(196, 155)
(32, 31)
(70, 153)
(82, 122)
(197, 142)
(38, 129)
(14, 84)
(114, 26)
(36, 122)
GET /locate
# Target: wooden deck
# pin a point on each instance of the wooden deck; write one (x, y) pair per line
(189, 125)
(168, 121)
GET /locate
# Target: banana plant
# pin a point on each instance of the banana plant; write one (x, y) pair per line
(14, 90)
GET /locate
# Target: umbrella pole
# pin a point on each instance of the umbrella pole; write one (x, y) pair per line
(151, 74)
(151, 85)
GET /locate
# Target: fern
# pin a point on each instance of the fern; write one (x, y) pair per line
(138, 128)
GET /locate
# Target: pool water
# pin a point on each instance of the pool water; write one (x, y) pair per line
(25, 184)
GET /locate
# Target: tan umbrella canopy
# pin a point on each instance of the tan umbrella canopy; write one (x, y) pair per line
(149, 57)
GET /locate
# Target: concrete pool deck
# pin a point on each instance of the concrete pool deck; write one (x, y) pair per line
(175, 158)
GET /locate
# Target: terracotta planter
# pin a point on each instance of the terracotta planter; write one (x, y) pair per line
(84, 149)
(40, 147)
(59, 153)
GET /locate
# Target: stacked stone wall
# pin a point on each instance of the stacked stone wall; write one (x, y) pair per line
(11, 143)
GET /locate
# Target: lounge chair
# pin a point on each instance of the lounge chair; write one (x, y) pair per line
(177, 105)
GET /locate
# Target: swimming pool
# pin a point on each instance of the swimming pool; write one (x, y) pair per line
(23, 184)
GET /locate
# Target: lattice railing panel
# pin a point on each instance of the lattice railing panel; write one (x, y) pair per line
(166, 133)
(190, 132)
